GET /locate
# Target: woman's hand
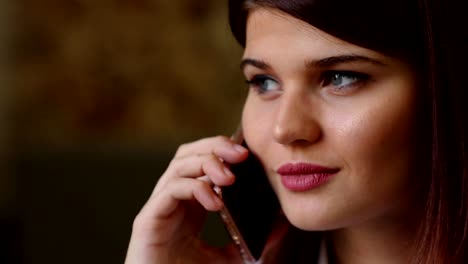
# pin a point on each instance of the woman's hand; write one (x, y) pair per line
(166, 229)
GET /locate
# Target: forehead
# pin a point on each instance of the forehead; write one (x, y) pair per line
(267, 28)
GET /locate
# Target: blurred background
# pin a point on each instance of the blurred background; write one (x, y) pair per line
(95, 97)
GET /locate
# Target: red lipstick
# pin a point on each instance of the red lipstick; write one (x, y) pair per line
(300, 177)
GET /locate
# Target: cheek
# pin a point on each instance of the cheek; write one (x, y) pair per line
(375, 144)
(381, 133)
(257, 121)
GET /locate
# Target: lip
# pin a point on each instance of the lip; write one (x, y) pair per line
(301, 177)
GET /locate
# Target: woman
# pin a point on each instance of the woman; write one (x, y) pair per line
(367, 98)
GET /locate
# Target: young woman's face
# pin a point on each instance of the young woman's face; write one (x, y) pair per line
(330, 121)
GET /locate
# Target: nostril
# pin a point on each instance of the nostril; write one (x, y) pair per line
(301, 142)
(298, 133)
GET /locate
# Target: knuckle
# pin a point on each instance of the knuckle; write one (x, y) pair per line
(182, 148)
(200, 185)
(211, 158)
(141, 222)
(178, 170)
(165, 186)
(222, 138)
(177, 166)
(144, 223)
(210, 163)
(138, 221)
(160, 185)
(172, 169)
(214, 162)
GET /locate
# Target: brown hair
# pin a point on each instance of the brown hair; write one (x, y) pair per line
(425, 34)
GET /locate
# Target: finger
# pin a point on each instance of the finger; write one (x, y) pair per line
(204, 145)
(220, 146)
(204, 167)
(164, 203)
(201, 165)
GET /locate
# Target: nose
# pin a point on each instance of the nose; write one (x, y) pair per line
(295, 121)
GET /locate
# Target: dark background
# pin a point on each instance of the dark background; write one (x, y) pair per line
(95, 97)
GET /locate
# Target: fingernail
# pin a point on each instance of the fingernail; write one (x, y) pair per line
(218, 202)
(228, 172)
(239, 148)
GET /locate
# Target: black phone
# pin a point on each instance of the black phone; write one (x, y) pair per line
(250, 207)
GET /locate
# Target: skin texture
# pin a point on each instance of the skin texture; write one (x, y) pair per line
(166, 229)
(364, 129)
(360, 123)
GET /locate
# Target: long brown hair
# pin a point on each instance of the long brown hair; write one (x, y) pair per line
(443, 232)
(427, 34)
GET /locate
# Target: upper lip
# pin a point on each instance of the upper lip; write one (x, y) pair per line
(303, 168)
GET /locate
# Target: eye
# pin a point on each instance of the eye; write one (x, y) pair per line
(263, 84)
(343, 80)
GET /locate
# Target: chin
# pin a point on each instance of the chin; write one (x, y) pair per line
(309, 221)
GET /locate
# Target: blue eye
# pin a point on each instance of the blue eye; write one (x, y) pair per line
(343, 79)
(263, 84)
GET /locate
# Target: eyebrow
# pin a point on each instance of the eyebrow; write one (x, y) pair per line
(335, 60)
(256, 63)
(322, 63)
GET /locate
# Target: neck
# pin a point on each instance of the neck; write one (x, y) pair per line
(386, 241)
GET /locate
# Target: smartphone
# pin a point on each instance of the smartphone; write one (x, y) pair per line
(250, 206)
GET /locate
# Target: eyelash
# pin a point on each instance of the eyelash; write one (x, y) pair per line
(357, 77)
(326, 79)
(257, 81)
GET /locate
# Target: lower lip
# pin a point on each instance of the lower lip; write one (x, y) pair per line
(302, 183)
